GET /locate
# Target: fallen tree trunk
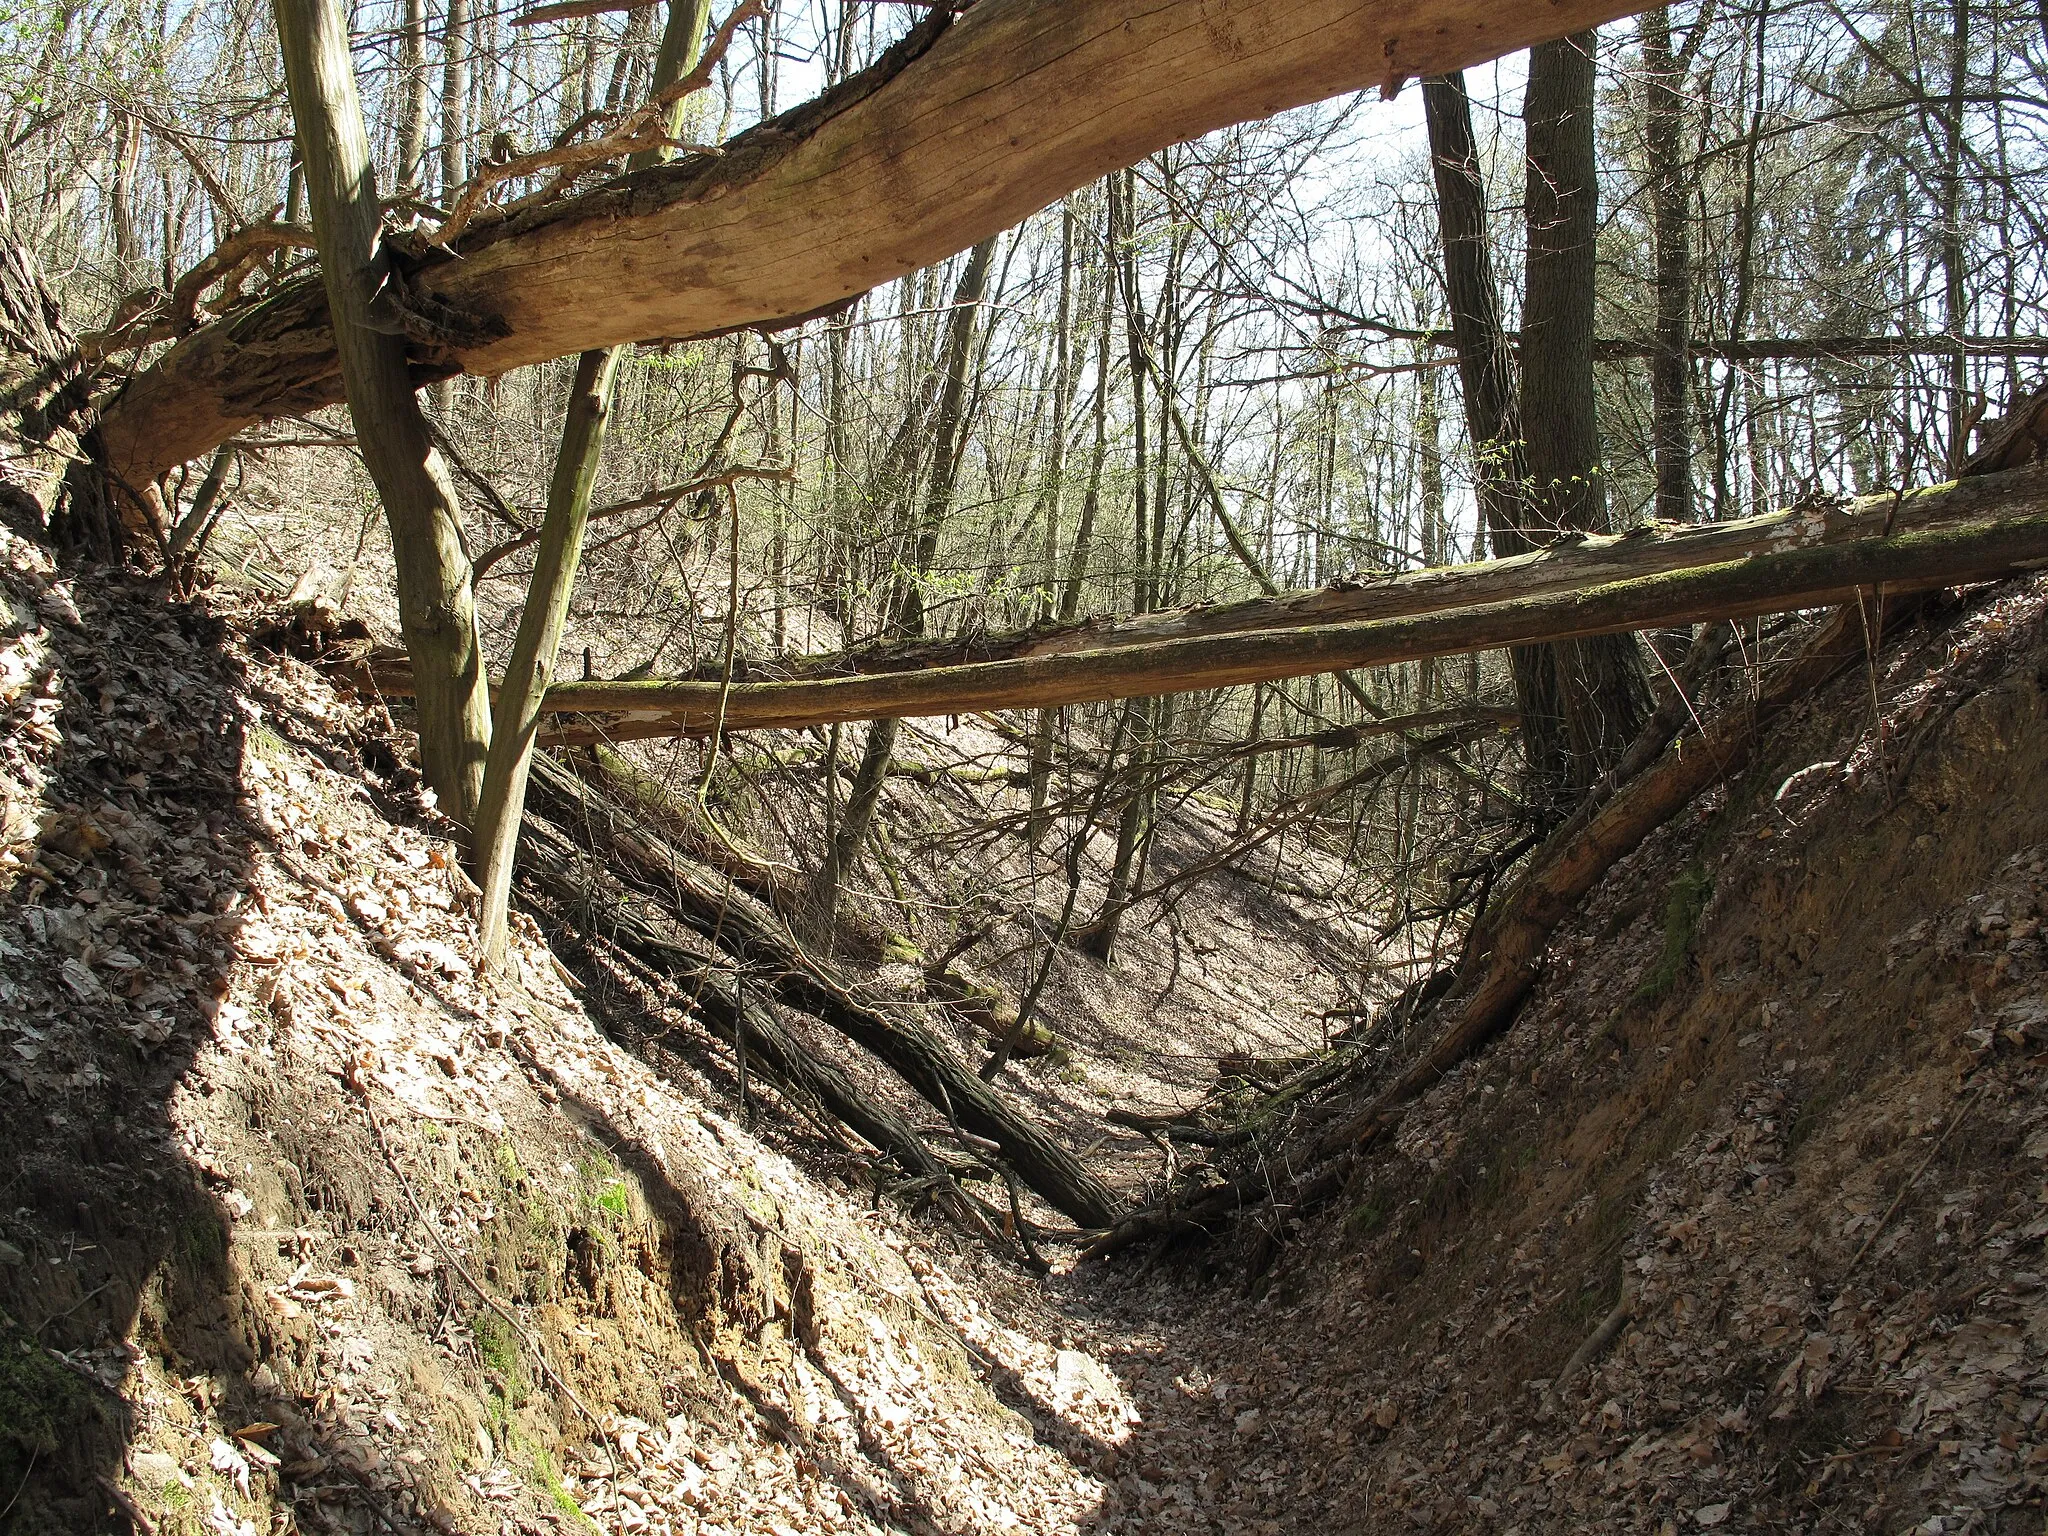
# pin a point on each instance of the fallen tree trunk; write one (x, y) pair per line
(548, 858)
(750, 932)
(971, 123)
(1975, 530)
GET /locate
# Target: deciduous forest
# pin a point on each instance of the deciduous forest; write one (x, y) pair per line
(1023, 765)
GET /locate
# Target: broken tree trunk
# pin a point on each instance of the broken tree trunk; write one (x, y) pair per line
(1811, 557)
(971, 123)
(751, 933)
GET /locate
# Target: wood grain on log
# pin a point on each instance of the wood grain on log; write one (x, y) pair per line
(971, 123)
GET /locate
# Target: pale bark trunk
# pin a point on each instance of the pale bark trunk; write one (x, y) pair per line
(454, 98)
(412, 110)
(969, 125)
(434, 599)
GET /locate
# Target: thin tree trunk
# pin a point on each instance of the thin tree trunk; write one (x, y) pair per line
(1671, 367)
(1098, 937)
(538, 639)
(947, 434)
(1955, 302)
(503, 796)
(435, 603)
(907, 604)
(454, 97)
(1051, 494)
(1601, 687)
(412, 110)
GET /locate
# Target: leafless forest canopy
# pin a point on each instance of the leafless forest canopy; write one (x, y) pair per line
(1236, 368)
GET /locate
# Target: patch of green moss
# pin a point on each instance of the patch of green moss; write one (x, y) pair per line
(1365, 1218)
(43, 1407)
(549, 1477)
(1687, 899)
(497, 1344)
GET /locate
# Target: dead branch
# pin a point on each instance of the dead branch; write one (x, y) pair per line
(645, 127)
(150, 315)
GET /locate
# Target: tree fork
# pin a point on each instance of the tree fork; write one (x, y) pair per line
(435, 603)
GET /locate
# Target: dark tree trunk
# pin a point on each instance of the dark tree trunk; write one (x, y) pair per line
(1487, 377)
(1601, 691)
(1670, 367)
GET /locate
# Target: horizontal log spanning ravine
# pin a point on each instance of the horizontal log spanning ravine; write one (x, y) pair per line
(972, 123)
(1976, 530)
(1797, 575)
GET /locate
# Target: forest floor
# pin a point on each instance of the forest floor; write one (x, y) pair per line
(305, 1226)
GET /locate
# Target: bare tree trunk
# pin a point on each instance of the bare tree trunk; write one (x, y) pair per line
(1487, 377)
(121, 194)
(1601, 687)
(412, 110)
(1980, 530)
(555, 562)
(947, 433)
(1098, 937)
(1670, 367)
(454, 97)
(537, 641)
(906, 606)
(435, 604)
(1052, 487)
(1955, 303)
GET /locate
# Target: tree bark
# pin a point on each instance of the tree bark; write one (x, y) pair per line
(518, 705)
(1977, 530)
(412, 109)
(434, 600)
(454, 99)
(1671, 365)
(968, 125)
(555, 561)
(1601, 693)
(1487, 377)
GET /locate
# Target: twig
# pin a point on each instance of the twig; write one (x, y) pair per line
(1596, 1343)
(1906, 1188)
(123, 1501)
(646, 127)
(33, 1452)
